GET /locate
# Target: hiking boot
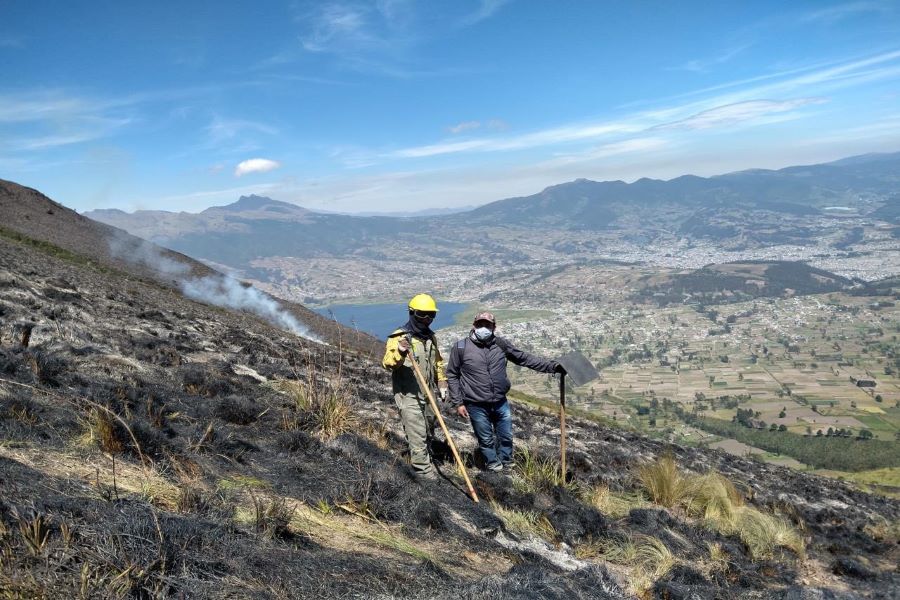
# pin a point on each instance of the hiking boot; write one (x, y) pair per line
(495, 468)
(427, 476)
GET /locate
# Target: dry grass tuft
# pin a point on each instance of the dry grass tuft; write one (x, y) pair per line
(762, 533)
(525, 523)
(34, 531)
(884, 530)
(663, 482)
(106, 432)
(325, 408)
(647, 557)
(272, 516)
(715, 499)
(718, 558)
(610, 503)
(536, 473)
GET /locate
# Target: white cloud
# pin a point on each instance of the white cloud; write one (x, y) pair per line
(464, 126)
(255, 165)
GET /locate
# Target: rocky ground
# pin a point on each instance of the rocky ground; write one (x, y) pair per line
(153, 446)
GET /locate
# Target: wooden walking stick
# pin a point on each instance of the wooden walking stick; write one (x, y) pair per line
(562, 427)
(437, 413)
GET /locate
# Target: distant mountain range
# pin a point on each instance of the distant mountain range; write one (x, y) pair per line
(754, 207)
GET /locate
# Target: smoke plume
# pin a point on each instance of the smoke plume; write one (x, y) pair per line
(219, 290)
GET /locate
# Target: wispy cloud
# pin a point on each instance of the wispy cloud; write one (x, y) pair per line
(255, 165)
(642, 144)
(486, 9)
(739, 112)
(755, 101)
(339, 27)
(839, 12)
(706, 64)
(221, 129)
(380, 36)
(46, 120)
(558, 135)
(464, 126)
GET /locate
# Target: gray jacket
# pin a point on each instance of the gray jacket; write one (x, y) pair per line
(477, 371)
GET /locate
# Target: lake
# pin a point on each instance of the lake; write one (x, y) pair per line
(381, 319)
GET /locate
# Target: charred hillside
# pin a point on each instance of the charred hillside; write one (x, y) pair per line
(155, 446)
(34, 219)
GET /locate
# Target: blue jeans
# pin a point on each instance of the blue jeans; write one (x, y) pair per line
(492, 424)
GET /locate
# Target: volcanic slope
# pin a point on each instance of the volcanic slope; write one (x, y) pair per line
(153, 446)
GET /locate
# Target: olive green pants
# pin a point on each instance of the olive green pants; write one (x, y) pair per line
(418, 425)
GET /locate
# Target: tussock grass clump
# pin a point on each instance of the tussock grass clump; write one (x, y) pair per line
(325, 408)
(272, 516)
(525, 522)
(715, 499)
(762, 533)
(663, 482)
(614, 504)
(718, 561)
(107, 432)
(647, 557)
(536, 473)
(884, 530)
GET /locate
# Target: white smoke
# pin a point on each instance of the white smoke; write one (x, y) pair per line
(142, 252)
(229, 292)
(219, 290)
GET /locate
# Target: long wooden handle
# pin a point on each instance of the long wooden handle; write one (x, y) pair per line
(437, 413)
(562, 427)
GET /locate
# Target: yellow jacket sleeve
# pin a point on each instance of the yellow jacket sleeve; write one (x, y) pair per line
(439, 370)
(393, 358)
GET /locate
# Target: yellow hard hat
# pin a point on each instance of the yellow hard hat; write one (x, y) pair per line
(423, 302)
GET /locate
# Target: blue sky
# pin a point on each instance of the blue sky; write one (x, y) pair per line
(395, 105)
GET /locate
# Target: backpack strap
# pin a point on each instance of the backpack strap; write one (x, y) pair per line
(461, 348)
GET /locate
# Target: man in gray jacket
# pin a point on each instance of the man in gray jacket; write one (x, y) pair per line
(478, 384)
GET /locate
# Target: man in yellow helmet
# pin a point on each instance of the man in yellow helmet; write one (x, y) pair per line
(415, 413)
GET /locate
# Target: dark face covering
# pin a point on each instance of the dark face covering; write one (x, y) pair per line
(419, 329)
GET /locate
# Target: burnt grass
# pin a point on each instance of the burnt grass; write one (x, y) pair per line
(121, 373)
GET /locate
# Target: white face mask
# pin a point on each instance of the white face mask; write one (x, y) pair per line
(483, 334)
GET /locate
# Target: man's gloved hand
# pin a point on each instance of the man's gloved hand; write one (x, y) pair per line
(462, 412)
(403, 345)
(444, 391)
(559, 369)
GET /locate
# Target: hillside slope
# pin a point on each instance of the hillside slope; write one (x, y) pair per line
(42, 221)
(154, 446)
